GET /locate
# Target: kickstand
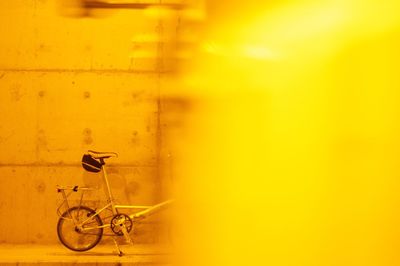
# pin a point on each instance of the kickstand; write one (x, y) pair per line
(120, 253)
(126, 235)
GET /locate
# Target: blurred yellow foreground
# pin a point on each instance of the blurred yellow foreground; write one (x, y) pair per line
(292, 156)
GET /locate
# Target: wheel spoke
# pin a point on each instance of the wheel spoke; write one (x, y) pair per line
(72, 237)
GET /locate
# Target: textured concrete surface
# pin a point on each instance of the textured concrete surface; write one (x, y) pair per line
(101, 255)
(70, 82)
(29, 198)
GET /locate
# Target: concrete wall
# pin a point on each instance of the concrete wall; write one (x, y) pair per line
(70, 82)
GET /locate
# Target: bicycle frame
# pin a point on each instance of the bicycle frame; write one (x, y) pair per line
(145, 210)
(87, 224)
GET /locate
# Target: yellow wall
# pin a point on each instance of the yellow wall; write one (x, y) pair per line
(279, 138)
(68, 83)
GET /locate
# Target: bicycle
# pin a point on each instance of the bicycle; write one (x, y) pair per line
(80, 228)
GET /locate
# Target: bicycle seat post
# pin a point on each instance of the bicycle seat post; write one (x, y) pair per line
(105, 178)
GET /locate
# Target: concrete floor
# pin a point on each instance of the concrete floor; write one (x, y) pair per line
(100, 255)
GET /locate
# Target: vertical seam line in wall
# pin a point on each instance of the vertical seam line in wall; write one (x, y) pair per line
(159, 69)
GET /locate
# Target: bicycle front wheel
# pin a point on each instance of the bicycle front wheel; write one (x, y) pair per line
(75, 235)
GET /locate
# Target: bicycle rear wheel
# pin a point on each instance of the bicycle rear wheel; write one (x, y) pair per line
(82, 238)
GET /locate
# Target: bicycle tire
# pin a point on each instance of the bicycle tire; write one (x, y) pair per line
(68, 234)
